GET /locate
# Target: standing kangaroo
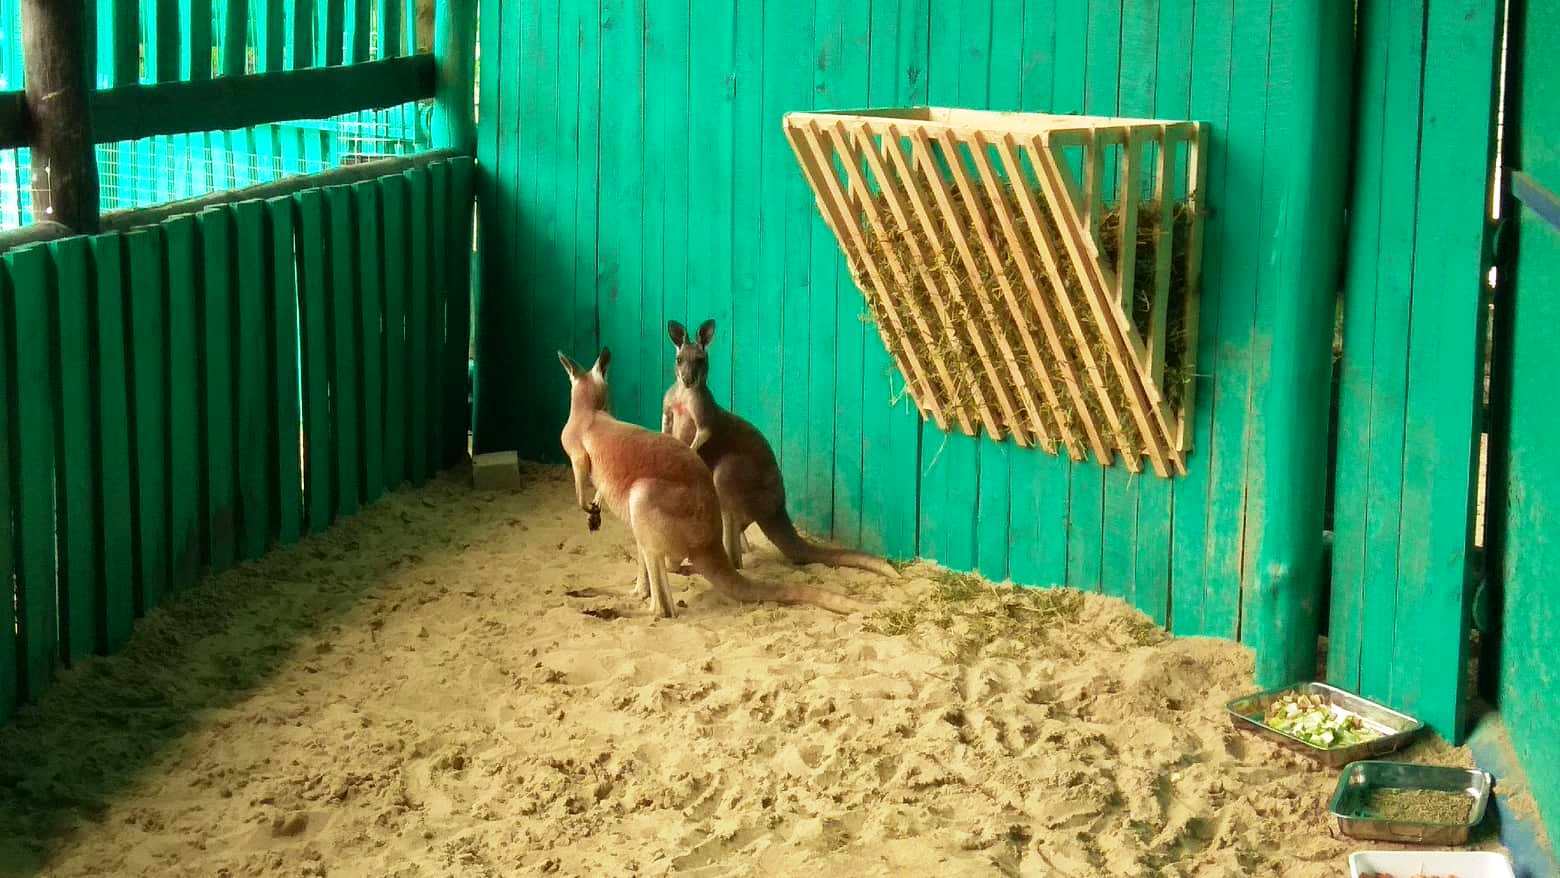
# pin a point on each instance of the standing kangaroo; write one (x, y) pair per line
(665, 494)
(747, 476)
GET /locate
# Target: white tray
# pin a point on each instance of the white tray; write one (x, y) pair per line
(1406, 864)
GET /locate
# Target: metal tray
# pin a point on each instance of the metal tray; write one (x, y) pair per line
(1396, 728)
(1361, 777)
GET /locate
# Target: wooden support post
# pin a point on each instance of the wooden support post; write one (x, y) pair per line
(455, 53)
(65, 177)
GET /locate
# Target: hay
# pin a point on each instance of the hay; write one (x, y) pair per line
(977, 297)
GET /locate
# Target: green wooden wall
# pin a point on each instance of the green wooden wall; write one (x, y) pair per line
(188, 395)
(632, 169)
(1410, 387)
(1529, 679)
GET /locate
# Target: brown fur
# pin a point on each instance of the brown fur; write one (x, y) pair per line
(665, 494)
(747, 475)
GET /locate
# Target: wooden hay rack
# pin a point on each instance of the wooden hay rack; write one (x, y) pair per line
(1032, 274)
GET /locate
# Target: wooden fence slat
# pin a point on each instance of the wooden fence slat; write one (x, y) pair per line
(396, 427)
(391, 24)
(126, 18)
(149, 411)
(300, 34)
(163, 48)
(255, 377)
(32, 437)
(235, 38)
(345, 316)
(115, 461)
(196, 55)
(314, 329)
(184, 432)
(443, 416)
(422, 327)
(371, 304)
(76, 484)
(359, 26)
(457, 344)
(219, 383)
(271, 24)
(11, 686)
(333, 29)
(288, 472)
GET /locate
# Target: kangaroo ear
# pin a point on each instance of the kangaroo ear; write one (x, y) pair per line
(570, 366)
(677, 332)
(706, 332)
(603, 361)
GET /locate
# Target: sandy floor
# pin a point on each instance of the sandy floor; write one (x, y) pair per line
(459, 684)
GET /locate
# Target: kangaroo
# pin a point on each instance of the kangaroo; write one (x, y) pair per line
(665, 494)
(747, 475)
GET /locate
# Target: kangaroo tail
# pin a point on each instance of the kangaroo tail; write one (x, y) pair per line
(716, 567)
(798, 550)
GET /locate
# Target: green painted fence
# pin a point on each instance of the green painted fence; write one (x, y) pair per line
(180, 397)
(1411, 368)
(1525, 477)
(632, 169)
(148, 41)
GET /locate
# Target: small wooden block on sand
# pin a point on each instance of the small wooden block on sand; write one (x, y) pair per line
(496, 471)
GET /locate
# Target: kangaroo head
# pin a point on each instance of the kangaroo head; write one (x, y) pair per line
(587, 387)
(693, 359)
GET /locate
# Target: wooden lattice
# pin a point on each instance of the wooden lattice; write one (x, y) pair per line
(1035, 275)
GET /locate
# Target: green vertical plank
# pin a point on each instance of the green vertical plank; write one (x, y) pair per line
(255, 380)
(316, 339)
(346, 400)
(32, 474)
(493, 195)
(458, 308)
(423, 328)
(665, 232)
(163, 46)
(584, 31)
(149, 412)
(184, 421)
(1231, 365)
(235, 38)
(1039, 482)
(300, 34)
(219, 383)
(1445, 367)
(371, 348)
(285, 387)
(950, 462)
(389, 19)
(444, 412)
(397, 426)
(195, 53)
(1212, 48)
(891, 429)
(271, 30)
(114, 464)
(81, 602)
(333, 30)
(11, 685)
(359, 28)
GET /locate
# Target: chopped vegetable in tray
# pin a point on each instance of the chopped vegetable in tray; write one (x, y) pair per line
(1311, 719)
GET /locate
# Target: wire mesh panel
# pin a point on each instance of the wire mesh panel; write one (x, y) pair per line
(1030, 274)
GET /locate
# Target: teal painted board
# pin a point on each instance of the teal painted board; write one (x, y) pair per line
(423, 328)
(795, 349)
(287, 425)
(458, 336)
(668, 292)
(195, 49)
(81, 610)
(583, 33)
(315, 339)
(371, 333)
(33, 428)
(1529, 669)
(346, 411)
(219, 387)
(11, 685)
(446, 403)
(113, 466)
(396, 426)
(492, 193)
(148, 313)
(891, 428)
(234, 37)
(1213, 46)
(1445, 375)
(185, 526)
(254, 364)
(161, 40)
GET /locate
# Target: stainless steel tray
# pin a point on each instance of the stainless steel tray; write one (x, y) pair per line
(1360, 778)
(1396, 729)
